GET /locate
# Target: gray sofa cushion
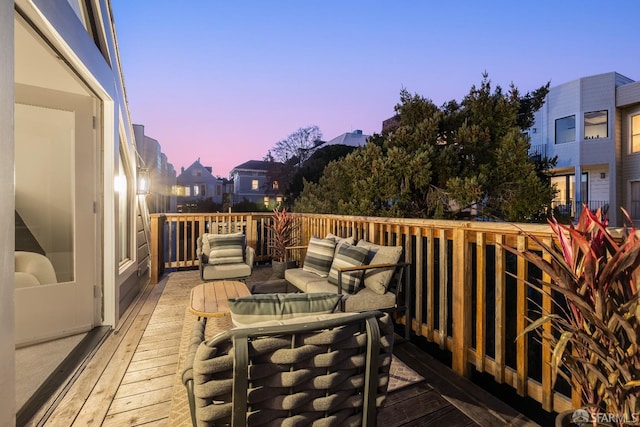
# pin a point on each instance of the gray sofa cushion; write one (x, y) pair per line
(366, 299)
(319, 256)
(224, 248)
(378, 279)
(263, 307)
(301, 279)
(225, 271)
(348, 256)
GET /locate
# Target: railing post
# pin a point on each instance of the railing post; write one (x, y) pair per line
(156, 248)
(461, 294)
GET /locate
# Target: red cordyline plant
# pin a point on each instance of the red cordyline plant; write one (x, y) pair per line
(283, 232)
(594, 337)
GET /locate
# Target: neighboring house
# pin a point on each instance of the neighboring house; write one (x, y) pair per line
(593, 125)
(161, 173)
(252, 181)
(68, 171)
(352, 139)
(197, 183)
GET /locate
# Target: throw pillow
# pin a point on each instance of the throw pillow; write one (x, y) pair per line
(225, 248)
(319, 256)
(340, 240)
(348, 256)
(378, 279)
(262, 307)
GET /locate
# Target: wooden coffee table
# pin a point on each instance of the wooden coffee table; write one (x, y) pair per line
(211, 299)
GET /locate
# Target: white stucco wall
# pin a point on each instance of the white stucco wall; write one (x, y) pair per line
(7, 231)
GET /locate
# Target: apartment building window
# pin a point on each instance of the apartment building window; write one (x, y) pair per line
(635, 133)
(566, 129)
(203, 190)
(219, 190)
(634, 210)
(596, 124)
(275, 185)
(187, 191)
(196, 190)
(254, 184)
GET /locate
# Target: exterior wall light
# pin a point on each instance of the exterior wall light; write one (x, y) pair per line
(143, 181)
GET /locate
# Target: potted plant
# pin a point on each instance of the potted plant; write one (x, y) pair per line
(283, 234)
(594, 326)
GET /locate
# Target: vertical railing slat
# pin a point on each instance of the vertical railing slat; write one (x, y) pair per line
(444, 275)
(500, 310)
(522, 365)
(481, 301)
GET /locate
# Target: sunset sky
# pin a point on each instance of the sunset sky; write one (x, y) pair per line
(223, 81)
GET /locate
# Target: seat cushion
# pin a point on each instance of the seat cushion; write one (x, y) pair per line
(319, 256)
(226, 271)
(322, 286)
(263, 307)
(378, 279)
(225, 248)
(366, 300)
(301, 279)
(348, 256)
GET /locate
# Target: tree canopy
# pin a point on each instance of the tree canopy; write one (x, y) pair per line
(297, 145)
(443, 162)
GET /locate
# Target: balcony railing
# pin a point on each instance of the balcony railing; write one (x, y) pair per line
(572, 208)
(464, 296)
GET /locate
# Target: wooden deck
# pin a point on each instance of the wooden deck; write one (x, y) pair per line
(128, 380)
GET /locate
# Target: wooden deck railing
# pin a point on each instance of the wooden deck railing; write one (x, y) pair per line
(463, 295)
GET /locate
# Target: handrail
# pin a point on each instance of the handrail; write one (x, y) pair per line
(467, 292)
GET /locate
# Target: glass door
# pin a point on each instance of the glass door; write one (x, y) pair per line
(55, 190)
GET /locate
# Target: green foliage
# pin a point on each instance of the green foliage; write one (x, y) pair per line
(247, 206)
(440, 162)
(312, 169)
(594, 335)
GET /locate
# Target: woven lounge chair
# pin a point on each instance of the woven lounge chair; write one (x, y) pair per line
(329, 371)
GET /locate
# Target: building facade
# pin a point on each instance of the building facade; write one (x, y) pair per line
(162, 175)
(592, 125)
(255, 182)
(68, 170)
(196, 184)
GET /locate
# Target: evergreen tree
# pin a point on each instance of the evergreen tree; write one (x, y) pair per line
(443, 162)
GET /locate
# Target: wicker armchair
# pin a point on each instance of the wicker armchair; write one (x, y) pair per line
(332, 370)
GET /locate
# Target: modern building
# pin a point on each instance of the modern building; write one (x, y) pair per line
(592, 124)
(196, 184)
(162, 175)
(256, 182)
(69, 171)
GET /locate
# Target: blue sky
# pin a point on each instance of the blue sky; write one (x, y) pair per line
(223, 81)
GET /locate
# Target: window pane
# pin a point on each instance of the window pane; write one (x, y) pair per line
(122, 188)
(595, 125)
(566, 129)
(635, 201)
(45, 184)
(254, 184)
(635, 133)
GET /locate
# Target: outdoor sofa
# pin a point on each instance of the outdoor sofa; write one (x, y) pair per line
(367, 276)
